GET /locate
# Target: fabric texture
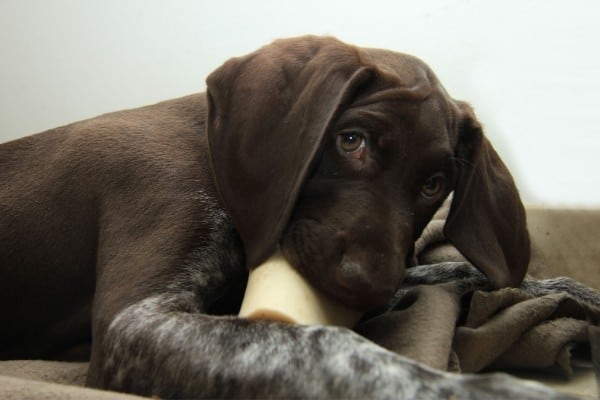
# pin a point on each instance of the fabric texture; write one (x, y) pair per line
(445, 318)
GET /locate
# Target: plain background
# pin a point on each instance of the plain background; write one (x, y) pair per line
(530, 68)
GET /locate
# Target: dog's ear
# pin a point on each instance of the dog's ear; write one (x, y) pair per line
(268, 113)
(487, 220)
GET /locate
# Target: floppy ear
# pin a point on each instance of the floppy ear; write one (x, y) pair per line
(268, 113)
(487, 220)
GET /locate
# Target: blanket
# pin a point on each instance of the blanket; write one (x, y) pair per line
(446, 317)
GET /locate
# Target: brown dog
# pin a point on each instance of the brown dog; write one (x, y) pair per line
(135, 228)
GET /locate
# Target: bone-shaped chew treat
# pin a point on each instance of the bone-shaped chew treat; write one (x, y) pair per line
(277, 292)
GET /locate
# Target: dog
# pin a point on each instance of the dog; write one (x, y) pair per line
(136, 230)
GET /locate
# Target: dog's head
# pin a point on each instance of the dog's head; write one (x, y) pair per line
(341, 155)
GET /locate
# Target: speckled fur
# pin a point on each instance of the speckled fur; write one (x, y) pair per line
(156, 350)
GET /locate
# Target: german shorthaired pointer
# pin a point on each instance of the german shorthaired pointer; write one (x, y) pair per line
(136, 229)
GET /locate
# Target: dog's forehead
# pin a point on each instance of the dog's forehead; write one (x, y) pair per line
(409, 70)
(404, 92)
(402, 77)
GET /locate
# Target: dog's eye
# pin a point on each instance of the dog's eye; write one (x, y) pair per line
(353, 143)
(434, 186)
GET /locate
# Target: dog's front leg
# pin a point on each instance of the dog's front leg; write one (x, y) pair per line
(151, 348)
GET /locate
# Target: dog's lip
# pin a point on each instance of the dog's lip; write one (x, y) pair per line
(363, 300)
(351, 284)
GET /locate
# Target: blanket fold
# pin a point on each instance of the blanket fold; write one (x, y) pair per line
(404, 330)
(510, 328)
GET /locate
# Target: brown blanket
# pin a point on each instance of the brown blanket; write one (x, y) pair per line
(445, 317)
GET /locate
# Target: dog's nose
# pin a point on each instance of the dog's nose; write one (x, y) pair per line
(363, 282)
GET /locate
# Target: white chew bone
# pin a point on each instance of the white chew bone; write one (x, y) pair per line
(277, 292)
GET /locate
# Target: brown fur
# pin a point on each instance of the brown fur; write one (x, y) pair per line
(102, 214)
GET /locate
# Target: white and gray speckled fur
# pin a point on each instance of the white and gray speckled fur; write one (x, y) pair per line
(157, 349)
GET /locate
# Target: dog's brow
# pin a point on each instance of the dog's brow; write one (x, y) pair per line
(374, 118)
(420, 91)
(381, 116)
